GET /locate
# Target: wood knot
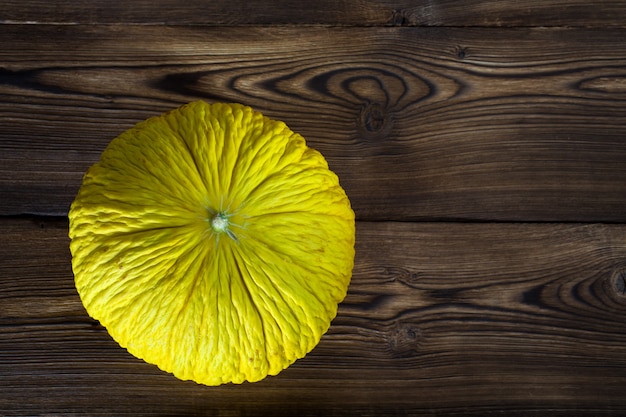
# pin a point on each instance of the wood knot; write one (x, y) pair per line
(619, 283)
(374, 120)
(402, 17)
(404, 339)
(461, 52)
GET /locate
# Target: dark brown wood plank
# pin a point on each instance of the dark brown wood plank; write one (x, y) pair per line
(420, 124)
(440, 319)
(605, 13)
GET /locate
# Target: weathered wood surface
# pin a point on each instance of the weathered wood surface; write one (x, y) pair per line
(582, 13)
(419, 123)
(468, 319)
(482, 144)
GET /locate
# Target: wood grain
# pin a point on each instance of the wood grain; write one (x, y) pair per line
(474, 319)
(460, 131)
(419, 123)
(604, 13)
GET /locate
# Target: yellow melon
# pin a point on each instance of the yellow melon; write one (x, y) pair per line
(212, 242)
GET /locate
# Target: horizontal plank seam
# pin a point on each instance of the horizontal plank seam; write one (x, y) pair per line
(310, 25)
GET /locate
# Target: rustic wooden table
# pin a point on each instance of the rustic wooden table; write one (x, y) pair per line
(482, 144)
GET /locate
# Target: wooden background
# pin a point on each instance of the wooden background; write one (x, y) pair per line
(482, 144)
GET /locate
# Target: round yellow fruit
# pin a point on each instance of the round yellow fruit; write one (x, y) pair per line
(212, 242)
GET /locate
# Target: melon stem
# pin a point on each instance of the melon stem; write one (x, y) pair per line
(219, 223)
